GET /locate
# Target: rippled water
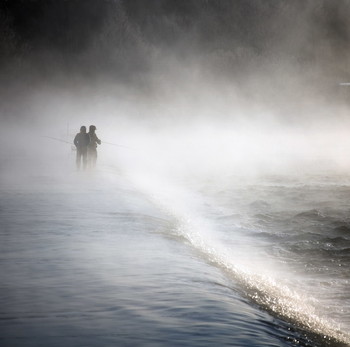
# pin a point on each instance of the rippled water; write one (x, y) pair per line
(96, 260)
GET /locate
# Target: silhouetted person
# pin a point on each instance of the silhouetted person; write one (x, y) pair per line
(92, 147)
(81, 142)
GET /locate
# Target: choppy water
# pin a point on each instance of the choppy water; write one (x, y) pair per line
(96, 260)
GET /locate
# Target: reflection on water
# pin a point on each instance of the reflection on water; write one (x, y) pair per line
(105, 264)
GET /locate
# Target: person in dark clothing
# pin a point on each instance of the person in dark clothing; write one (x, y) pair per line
(92, 147)
(81, 142)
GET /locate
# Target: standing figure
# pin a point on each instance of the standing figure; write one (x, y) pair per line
(81, 142)
(92, 148)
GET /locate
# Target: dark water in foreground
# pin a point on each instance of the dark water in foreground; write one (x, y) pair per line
(93, 260)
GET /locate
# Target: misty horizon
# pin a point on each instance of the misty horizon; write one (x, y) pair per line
(217, 213)
(264, 78)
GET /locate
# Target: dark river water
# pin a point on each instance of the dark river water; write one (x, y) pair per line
(95, 259)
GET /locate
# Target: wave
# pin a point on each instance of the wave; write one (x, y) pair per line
(310, 214)
(260, 283)
(265, 291)
(342, 229)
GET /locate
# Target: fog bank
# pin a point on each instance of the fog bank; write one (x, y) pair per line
(193, 88)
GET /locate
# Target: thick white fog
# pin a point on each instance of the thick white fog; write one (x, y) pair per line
(199, 134)
(191, 100)
(257, 92)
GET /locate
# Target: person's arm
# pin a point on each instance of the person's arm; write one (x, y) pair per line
(76, 140)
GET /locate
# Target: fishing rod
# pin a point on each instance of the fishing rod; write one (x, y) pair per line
(114, 144)
(60, 140)
(71, 143)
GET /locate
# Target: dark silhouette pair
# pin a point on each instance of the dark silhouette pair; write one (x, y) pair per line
(86, 144)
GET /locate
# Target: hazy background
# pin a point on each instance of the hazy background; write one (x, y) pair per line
(202, 87)
(202, 107)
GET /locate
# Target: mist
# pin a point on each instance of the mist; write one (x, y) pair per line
(223, 167)
(201, 88)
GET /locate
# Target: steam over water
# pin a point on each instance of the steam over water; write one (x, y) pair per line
(218, 213)
(94, 258)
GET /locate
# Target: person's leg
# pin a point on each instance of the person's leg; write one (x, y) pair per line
(84, 154)
(89, 157)
(78, 159)
(94, 158)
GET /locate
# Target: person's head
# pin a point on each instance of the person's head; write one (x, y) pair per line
(83, 129)
(92, 128)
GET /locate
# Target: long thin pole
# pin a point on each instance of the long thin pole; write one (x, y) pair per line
(55, 138)
(71, 143)
(114, 144)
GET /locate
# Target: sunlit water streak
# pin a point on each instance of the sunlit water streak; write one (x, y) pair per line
(148, 261)
(262, 281)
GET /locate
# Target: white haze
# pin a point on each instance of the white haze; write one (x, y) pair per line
(179, 126)
(196, 134)
(191, 111)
